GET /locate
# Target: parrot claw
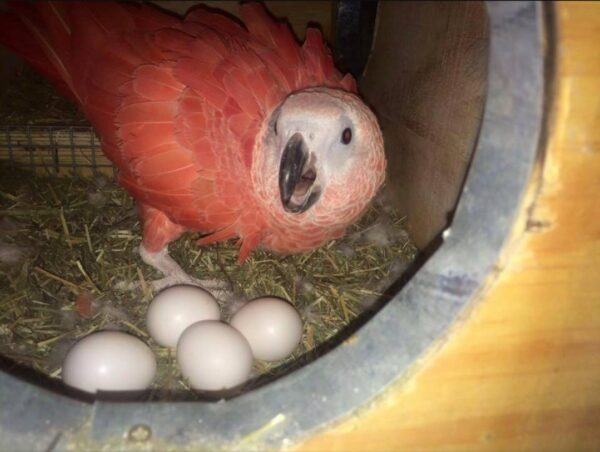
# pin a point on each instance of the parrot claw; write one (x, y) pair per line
(175, 275)
(213, 286)
(219, 289)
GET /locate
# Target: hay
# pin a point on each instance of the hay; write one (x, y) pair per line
(74, 247)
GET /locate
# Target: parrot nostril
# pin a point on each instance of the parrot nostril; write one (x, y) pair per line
(311, 136)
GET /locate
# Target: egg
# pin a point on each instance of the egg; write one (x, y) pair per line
(214, 356)
(109, 361)
(176, 308)
(272, 327)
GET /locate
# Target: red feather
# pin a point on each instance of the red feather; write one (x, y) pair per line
(178, 105)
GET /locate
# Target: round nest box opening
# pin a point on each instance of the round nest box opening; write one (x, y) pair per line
(459, 92)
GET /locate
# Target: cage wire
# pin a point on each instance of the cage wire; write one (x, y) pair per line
(57, 149)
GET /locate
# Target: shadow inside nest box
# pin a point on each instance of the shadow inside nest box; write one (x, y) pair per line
(33, 377)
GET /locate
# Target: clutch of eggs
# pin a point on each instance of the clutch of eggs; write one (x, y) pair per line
(211, 354)
(215, 356)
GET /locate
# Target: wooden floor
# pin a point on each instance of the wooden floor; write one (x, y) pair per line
(523, 371)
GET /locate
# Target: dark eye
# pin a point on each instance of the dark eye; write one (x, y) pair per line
(275, 127)
(347, 136)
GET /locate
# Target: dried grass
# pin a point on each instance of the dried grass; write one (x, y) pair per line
(77, 241)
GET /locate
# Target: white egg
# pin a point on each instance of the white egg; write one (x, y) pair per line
(272, 327)
(176, 308)
(214, 356)
(109, 361)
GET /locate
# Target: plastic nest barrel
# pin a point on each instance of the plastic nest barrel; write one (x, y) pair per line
(390, 343)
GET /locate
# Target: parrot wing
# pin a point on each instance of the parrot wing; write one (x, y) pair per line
(178, 104)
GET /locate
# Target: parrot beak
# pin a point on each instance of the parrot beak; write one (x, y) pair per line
(297, 175)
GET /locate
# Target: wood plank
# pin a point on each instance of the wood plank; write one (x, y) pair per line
(522, 372)
(427, 86)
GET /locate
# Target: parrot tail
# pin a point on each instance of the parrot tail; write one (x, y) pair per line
(40, 35)
(88, 50)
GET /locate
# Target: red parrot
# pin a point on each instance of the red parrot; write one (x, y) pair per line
(234, 131)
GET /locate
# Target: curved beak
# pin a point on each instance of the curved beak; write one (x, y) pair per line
(297, 174)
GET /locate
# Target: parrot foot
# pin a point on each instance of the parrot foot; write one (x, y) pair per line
(217, 288)
(175, 275)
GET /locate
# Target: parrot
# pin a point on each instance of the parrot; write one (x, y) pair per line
(230, 129)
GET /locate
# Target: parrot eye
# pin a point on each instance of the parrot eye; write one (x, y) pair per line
(347, 136)
(275, 127)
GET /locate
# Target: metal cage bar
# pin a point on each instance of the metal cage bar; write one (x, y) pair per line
(58, 149)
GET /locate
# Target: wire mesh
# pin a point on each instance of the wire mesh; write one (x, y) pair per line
(54, 149)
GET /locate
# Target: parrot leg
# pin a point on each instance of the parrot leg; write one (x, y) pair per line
(174, 274)
(158, 232)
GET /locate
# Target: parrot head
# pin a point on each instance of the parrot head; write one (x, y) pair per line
(320, 162)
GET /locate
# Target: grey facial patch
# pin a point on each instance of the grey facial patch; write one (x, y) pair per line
(273, 120)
